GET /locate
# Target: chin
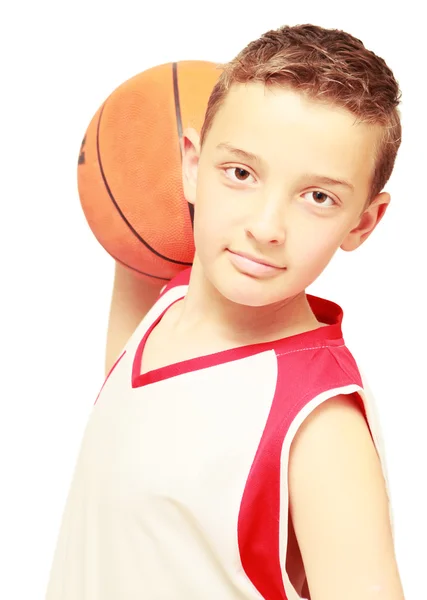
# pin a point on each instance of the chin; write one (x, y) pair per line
(253, 292)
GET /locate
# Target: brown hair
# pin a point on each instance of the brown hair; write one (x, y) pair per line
(328, 65)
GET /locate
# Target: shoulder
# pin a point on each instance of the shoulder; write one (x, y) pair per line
(310, 373)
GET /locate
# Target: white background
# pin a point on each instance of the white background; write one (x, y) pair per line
(59, 62)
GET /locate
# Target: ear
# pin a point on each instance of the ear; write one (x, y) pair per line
(190, 162)
(369, 219)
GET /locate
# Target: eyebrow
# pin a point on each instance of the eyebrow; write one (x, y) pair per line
(329, 180)
(239, 153)
(249, 156)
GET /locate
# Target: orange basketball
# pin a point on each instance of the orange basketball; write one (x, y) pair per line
(129, 171)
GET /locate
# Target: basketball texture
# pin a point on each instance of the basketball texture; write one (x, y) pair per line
(129, 167)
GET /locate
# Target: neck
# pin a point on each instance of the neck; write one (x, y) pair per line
(237, 323)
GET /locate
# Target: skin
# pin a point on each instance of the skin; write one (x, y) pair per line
(278, 206)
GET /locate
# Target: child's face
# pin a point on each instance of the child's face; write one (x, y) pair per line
(279, 207)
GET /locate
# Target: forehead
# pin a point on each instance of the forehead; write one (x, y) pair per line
(284, 126)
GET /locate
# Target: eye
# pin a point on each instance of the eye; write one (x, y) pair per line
(237, 174)
(320, 199)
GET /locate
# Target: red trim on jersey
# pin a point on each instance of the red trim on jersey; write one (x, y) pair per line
(302, 376)
(109, 373)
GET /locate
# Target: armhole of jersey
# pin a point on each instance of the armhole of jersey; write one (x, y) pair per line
(183, 278)
(368, 408)
(109, 373)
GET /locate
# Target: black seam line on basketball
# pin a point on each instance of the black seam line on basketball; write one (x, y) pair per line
(179, 125)
(107, 187)
(137, 270)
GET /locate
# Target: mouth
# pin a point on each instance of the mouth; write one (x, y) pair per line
(254, 266)
(260, 261)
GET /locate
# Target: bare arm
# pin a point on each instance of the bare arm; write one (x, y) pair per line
(132, 298)
(339, 507)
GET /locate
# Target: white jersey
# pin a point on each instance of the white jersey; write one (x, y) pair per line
(180, 489)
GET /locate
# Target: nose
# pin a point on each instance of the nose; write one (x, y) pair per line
(266, 225)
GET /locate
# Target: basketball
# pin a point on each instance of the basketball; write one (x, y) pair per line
(129, 168)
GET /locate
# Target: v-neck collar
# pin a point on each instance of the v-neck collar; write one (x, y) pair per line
(324, 310)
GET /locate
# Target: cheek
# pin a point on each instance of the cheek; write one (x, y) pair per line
(213, 209)
(314, 248)
(209, 226)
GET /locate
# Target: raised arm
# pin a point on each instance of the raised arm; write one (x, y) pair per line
(132, 298)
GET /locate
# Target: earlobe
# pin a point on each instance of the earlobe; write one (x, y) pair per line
(369, 219)
(190, 147)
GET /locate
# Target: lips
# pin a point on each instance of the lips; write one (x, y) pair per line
(254, 266)
(260, 261)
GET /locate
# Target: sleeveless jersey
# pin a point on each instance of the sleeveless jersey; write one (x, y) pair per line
(180, 487)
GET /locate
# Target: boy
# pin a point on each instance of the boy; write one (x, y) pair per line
(233, 452)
